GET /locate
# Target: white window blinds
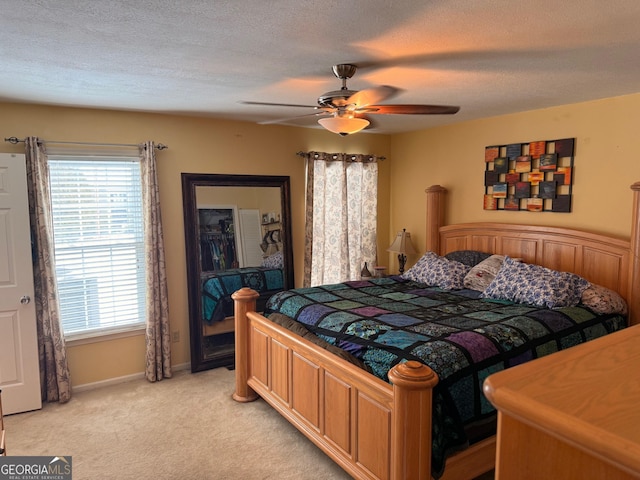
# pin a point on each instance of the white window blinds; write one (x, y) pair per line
(99, 242)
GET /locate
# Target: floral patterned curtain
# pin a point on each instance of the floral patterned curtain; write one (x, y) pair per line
(341, 216)
(158, 337)
(55, 381)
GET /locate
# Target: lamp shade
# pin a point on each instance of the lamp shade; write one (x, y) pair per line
(402, 243)
(343, 125)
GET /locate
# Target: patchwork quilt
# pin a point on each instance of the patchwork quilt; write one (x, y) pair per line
(218, 287)
(462, 337)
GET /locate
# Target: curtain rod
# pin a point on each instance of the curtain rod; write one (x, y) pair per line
(15, 140)
(335, 155)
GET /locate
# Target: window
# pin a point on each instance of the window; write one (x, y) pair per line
(98, 243)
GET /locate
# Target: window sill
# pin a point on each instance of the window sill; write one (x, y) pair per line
(74, 339)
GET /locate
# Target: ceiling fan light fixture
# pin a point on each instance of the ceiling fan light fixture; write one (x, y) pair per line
(344, 125)
(343, 105)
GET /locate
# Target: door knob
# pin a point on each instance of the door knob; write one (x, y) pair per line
(25, 299)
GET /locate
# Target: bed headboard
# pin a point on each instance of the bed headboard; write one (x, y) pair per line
(605, 260)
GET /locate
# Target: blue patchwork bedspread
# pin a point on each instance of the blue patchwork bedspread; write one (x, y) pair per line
(218, 287)
(462, 337)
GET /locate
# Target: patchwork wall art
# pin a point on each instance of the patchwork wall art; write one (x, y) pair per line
(534, 176)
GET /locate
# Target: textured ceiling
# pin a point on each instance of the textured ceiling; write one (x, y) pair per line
(490, 57)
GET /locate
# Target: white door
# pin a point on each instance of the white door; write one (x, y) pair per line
(19, 369)
(250, 237)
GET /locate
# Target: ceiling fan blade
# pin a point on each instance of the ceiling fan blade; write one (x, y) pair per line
(370, 96)
(280, 104)
(286, 119)
(458, 60)
(412, 109)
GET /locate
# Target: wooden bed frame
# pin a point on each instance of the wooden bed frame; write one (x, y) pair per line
(376, 430)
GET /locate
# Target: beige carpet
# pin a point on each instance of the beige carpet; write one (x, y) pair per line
(186, 428)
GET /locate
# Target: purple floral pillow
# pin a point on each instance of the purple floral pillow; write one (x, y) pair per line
(535, 285)
(273, 261)
(434, 270)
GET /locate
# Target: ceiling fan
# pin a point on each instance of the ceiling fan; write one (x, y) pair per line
(344, 111)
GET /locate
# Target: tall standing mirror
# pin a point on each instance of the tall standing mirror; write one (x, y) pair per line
(237, 234)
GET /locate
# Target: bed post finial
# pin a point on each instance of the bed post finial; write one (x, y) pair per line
(244, 301)
(435, 216)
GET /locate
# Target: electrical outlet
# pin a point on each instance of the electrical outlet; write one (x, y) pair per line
(175, 336)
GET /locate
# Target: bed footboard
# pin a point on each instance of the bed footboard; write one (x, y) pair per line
(372, 429)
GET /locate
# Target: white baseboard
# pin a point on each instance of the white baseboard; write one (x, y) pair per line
(126, 378)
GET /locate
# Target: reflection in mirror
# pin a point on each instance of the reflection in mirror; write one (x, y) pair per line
(237, 233)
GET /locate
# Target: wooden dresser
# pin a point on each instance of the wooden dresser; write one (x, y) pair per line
(572, 415)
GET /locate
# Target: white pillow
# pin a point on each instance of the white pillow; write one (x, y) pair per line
(602, 300)
(480, 276)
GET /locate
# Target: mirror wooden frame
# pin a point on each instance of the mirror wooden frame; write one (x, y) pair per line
(190, 181)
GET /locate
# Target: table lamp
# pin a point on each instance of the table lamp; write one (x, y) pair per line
(402, 246)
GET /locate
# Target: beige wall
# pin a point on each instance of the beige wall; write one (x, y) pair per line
(196, 145)
(606, 164)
